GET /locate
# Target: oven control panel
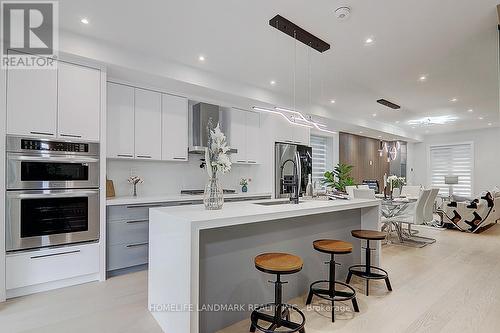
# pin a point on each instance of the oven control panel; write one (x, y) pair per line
(54, 146)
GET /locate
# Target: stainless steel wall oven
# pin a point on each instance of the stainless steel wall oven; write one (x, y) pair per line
(52, 193)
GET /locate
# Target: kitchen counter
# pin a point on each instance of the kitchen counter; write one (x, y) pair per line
(130, 200)
(200, 258)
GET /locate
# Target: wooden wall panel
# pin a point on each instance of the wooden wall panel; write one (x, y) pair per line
(362, 153)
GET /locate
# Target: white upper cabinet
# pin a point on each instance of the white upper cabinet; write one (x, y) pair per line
(32, 102)
(237, 135)
(253, 136)
(301, 135)
(79, 101)
(288, 133)
(120, 121)
(174, 128)
(147, 124)
(244, 135)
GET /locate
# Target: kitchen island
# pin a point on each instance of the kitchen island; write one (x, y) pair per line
(201, 272)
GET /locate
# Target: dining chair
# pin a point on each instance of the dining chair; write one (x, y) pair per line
(429, 206)
(350, 190)
(411, 191)
(416, 216)
(363, 187)
(364, 193)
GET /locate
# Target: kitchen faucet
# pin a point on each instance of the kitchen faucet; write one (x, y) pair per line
(295, 182)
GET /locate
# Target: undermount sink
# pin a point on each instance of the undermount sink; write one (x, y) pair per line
(274, 203)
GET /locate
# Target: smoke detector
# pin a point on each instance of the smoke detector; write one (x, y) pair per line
(343, 13)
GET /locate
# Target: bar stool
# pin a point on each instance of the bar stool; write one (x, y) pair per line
(333, 247)
(367, 271)
(278, 264)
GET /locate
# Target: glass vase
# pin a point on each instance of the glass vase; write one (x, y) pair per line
(213, 197)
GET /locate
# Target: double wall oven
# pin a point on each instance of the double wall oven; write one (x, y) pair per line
(52, 193)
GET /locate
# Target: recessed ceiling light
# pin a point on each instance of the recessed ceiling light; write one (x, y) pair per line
(422, 78)
(361, 132)
(380, 136)
(374, 115)
(201, 58)
(454, 99)
(332, 101)
(272, 82)
(369, 41)
(480, 118)
(413, 127)
(84, 20)
(397, 121)
(489, 124)
(470, 110)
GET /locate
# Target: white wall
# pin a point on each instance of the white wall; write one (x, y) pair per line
(162, 178)
(486, 157)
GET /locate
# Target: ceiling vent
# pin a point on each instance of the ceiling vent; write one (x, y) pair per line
(391, 105)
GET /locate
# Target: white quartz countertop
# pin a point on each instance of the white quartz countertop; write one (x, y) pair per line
(130, 200)
(234, 213)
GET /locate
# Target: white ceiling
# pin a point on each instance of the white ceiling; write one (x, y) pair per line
(453, 42)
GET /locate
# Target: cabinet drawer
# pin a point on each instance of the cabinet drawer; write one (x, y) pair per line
(118, 213)
(35, 267)
(127, 232)
(127, 255)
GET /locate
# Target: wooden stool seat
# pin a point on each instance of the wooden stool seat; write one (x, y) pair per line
(332, 246)
(278, 263)
(368, 234)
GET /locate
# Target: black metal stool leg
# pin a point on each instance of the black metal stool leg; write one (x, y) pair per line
(388, 283)
(355, 305)
(332, 285)
(309, 297)
(349, 276)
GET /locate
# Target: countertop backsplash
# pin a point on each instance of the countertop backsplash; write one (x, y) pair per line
(171, 177)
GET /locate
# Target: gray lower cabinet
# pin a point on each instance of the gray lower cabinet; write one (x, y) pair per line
(127, 236)
(128, 232)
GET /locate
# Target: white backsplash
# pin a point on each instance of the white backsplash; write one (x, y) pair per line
(162, 178)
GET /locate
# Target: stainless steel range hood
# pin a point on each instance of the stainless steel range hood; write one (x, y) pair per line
(199, 116)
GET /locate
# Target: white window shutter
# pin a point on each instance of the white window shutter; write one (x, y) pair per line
(319, 158)
(452, 160)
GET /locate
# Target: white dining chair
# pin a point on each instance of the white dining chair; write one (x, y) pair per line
(363, 187)
(350, 190)
(411, 191)
(364, 193)
(429, 206)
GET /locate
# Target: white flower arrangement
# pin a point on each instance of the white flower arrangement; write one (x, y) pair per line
(216, 154)
(395, 181)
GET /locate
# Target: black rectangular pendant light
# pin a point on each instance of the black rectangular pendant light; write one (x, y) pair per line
(294, 31)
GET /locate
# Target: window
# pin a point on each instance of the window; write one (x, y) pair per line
(452, 160)
(319, 146)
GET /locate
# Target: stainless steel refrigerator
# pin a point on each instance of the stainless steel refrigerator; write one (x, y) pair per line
(284, 169)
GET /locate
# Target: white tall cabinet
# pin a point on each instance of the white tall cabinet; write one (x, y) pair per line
(147, 124)
(78, 94)
(63, 102)
(37, 114)
(174, 128)
(120, 123)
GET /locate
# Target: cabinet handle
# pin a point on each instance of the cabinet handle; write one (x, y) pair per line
(42, 133)
(144, 156)
(71, 135)
(240, 161)
(54, 254)
(124, 155)
(136, 221)
(252, 161)
(136, 245)
(186, 203)
(145, 206)
(180, 158)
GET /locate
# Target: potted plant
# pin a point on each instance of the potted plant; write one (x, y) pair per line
(134, 180)
(339, 177)
(244, 184)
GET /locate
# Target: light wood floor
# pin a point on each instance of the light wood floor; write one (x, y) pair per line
(450, 286)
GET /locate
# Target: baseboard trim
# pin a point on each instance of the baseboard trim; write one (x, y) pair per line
(23, 291)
